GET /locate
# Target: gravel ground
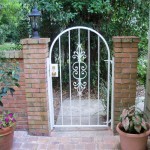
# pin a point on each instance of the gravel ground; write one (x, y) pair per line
(140, 97)
(140, 91)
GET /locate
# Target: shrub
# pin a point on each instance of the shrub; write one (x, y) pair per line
(10, 46)
(9, 77)
(142, 69)
(3, 33)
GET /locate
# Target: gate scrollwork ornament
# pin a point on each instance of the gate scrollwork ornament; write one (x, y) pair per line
(79, 69)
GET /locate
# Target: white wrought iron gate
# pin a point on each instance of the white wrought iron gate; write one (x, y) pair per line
(80, 79)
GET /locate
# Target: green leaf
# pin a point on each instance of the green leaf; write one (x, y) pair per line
(2, 94)
(5, 89)
(13, 72)
(1, 104)
(137, 128)
(16, 76)
(131, 127)
(125, 123)
(137, 120)
(131, 111)
(11, 91)
(1, 71)
(124, 113)
(9, 73)
(17, 84)
(131, 123)
(143, 124)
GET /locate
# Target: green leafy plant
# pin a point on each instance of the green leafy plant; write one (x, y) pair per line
(9, 77)
(142, 68)
(132, 120)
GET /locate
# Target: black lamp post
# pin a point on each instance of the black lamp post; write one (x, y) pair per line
(34, 19)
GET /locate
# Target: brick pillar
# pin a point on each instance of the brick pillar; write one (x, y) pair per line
(125, 72)
(35, 52)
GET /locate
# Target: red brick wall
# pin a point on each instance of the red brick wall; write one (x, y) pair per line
(125, 73)
(30, 101)
(17, 103)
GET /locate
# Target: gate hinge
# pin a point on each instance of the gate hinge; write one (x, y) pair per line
(111, 61)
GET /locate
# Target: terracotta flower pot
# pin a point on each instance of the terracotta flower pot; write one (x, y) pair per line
(133, 141)
(6, 138)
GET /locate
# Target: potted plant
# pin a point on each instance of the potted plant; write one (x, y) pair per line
(9, 77)
(133, 129)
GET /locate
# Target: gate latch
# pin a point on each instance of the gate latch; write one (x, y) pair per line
(54, 70)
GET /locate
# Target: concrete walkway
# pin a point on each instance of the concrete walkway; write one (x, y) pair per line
(104, 140)
(89, 111)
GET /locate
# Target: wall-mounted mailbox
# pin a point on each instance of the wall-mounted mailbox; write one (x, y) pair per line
(54, 70)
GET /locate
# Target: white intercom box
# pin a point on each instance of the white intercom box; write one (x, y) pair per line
(54, 70)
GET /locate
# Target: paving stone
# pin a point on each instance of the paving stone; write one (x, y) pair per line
(75, 140)
(42, 147)
(29, 146)
(67, 147)
(32, 139)
(54, 139)
(16, 145)
(88, 139)
(44, 140)
(80, 146)
(65, 139)
(53, 147)
(100, 146)
(20, 139)
(91, 146)
(55, 143)
(28, 142)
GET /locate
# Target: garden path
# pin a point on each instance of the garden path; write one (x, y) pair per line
(58, 141)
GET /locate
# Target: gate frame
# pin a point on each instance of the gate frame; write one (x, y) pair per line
(50, 90)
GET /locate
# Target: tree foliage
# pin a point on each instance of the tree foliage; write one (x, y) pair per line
(9, 16)
(109, 17)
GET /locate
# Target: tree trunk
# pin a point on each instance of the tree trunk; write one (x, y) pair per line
(147, 96)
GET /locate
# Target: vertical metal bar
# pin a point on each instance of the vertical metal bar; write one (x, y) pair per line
(50, 94)
(112, 96)
(62, 117)
(98, 78)
(108, 90)
(70, 75)
(79, 61)
(89, 100)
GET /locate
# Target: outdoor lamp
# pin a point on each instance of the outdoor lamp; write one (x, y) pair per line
(35, 16)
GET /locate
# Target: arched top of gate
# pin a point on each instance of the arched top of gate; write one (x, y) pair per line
(84, 28)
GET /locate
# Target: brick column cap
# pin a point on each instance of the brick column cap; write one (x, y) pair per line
(29, 41)
(128, 39)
